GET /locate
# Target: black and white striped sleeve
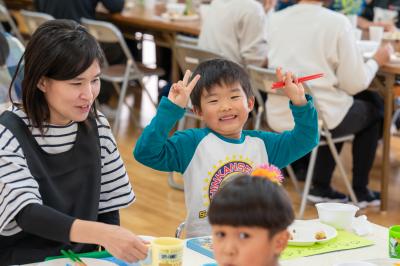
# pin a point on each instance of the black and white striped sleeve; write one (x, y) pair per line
(18, 188)
(116, 190)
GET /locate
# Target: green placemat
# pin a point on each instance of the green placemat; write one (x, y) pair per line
(94, 255)
(344, 240)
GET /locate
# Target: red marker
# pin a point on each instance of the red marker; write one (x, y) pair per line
(281, 84)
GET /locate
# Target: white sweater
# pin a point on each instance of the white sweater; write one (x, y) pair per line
(308, 39)
(234, 29)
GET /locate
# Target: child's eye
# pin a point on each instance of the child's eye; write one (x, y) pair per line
(95, 80)
(212, 101)
(220, 234)
(235, 97)
(244, 235)
(76, 83)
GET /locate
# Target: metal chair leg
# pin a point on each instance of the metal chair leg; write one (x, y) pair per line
(293, 178)
(307, 184)
(341, 169)
(179, 230)
(121, 100)
(172, 183)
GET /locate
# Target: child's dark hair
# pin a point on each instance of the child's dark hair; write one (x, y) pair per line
(218, 72)
(252, 201)
(60, 50)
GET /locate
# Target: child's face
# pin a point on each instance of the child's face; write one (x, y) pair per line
(225, 109)
(243, 246)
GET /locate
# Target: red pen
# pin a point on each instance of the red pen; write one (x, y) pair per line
(281, 84)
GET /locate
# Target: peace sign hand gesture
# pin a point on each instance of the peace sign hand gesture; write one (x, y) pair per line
(180, 91)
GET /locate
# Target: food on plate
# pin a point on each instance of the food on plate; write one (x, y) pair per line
(320, 235)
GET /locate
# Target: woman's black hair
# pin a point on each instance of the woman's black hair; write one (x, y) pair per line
(252, 201)
(59, 50)
(4, 49)
(219, 72)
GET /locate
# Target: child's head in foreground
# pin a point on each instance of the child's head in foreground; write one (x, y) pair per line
(223, 96)
(249, 218)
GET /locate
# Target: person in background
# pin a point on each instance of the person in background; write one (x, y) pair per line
(234, 29)
(340, 94)
(367, 16)
(221, 95)
(249, 218)
(11, 51)
(77, 9)
(62, 178)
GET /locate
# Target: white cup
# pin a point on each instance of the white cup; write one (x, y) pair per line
(376, 33)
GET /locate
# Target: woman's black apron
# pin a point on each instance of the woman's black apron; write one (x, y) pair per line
(68, 182)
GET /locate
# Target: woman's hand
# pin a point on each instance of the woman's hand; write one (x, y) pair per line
(120, 242)
(180, 91)
(123, 244)
(293, 89)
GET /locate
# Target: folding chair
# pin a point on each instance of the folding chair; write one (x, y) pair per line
(6, 17)
(262, 80)
(188, 56)
(183, 39)
(34, 19)
(179, 230)
(120, 73)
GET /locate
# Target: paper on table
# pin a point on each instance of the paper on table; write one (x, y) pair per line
(345, 240)
(361, 226)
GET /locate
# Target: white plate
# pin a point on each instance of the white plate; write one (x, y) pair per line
(88, 261)
(304, 233)
(180, 17)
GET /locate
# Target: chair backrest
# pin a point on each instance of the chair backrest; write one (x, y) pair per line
(183, 39)
(106, 32)
(6, 17)
(261, 80)
(34, 19)
(189, 56)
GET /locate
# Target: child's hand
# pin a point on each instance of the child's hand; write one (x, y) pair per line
(293, 89)
(180, 91)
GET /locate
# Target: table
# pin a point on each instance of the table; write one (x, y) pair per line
(137, 19)
(379, 250)
(389, 73)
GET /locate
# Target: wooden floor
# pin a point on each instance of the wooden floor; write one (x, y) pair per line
(159, 209)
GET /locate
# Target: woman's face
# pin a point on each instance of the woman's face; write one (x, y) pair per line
(71, 100)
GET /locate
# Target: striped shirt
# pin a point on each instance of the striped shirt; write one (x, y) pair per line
(19, 188)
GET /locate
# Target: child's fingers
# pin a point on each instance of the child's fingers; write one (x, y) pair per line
(193, 83)
(279, 74)
(186, 77)
(289, 78)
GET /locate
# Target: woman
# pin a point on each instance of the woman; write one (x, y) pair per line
(62, 180)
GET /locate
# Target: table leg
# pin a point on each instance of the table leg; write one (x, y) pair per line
(389, 83)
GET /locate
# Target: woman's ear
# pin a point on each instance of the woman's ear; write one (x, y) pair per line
(42, 84)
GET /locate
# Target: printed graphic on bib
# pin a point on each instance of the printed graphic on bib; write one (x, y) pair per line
(221, 173)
